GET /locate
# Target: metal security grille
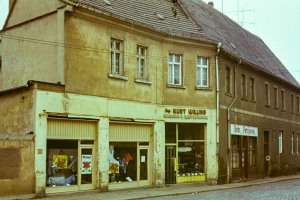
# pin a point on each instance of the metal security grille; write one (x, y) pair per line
(129, 132)
(71, 129)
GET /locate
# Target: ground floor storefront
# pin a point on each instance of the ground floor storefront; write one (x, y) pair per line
(114, 148)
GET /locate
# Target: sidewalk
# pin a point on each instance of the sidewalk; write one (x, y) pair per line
(149, 192)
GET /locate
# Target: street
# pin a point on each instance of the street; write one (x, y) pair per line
(273, 191)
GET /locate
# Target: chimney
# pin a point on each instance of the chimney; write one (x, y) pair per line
(211, 3)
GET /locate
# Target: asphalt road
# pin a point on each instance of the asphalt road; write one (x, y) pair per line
(283, 190)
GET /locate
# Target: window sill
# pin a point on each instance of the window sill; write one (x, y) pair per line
(203, 88)
(142, 81)
(228, 94)
(244, 99)
(176, 86)
(124, 78)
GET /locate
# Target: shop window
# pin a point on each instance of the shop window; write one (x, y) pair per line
(252, 151)
(294, 142)
(62, 158)
(235, 140)
(280, 142)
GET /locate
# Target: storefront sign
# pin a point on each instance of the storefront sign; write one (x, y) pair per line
(86, 164)
(244, 130)
(185, 113)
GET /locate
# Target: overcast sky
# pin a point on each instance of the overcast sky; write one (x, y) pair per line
(276, 22)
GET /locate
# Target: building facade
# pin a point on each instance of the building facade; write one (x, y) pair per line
(103, 103)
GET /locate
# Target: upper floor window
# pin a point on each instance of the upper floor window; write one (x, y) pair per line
(298, 105)
(252, 89)
(283, 100)
(116, 53)
(175, 69)
(243, 86)
(141, 63)
(202, 72)
(292, 103)
(228, 80)
(275, 97)
(267, 95)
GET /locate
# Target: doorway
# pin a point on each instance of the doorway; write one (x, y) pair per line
(86, 172)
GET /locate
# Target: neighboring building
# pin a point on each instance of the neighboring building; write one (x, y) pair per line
(86, 84)
(259, 102)
(100, 94)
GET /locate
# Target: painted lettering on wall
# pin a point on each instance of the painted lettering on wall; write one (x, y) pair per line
(185, 113)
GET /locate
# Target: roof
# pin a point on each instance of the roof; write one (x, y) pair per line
(235, 40)
(162, 16)
(197, 20)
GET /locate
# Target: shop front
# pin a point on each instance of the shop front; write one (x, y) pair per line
(71, 159)
(243, 152)
(185, 146)
(129, 160)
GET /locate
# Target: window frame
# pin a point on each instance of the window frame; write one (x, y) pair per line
(201, 67)
(282, 99)
(114, 51)
(280, 142)
(267, 95)
(252, 92)
(293, 103)
(142, 69)
(243, 87)
(276, 105)
(228, 87)
(171, 64)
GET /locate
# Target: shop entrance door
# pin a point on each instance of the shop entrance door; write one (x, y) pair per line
(266, 152)
(86, 165)
(244, 157)
(143, 172)
(170, 164)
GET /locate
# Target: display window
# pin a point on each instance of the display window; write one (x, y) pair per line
(69, 162)
(128, 162)
(185, 152)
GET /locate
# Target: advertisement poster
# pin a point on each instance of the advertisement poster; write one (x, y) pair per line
(86, 164)
(60, 161)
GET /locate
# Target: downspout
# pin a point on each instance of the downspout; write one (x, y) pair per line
(217, 100)
(228, 122)
(61, 42)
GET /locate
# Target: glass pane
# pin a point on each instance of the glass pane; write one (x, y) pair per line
(170, 131)
(204, 61)
(86, 166)
(204, 76)
(177, 74)
(122, 162)
(177, 58)
(171, 57)
(190, 131)
(61, 163)
(118, 45)
(170, 74)
(198, 76)
(143, 164)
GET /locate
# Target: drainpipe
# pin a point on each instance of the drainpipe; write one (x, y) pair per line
(217, 99)
(228, 122)
(61, 42)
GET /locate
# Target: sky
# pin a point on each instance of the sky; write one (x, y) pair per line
(276, 22)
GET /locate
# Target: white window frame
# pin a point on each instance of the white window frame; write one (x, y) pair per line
(141, 63)
(117, 66)
(202, 67)
(173, 64)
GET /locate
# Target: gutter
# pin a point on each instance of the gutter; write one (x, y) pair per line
(217, 96)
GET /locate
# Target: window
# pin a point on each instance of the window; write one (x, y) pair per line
(243, 87)
(252, 151)
(282, 100)
(116, 57)
(298, 105)
(235, 151)
(175, 69)
(294, 142)
(202, 72)
(292, 103)
(298, 141)
(267, 95)
(252, 89)
(275, 97)
(141, 63)
(228, 81)
(280, 142)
